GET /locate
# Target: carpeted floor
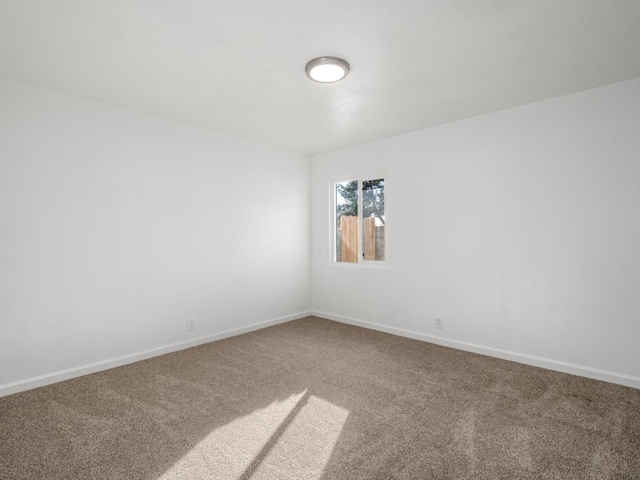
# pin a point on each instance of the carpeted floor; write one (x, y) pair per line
(316, 399)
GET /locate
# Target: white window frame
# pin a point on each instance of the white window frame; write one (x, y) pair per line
(333, 226)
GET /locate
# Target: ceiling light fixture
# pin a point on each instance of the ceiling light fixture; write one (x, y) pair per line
(327, 69)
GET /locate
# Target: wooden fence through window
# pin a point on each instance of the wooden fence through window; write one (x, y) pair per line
(347, 241)
(349, 226)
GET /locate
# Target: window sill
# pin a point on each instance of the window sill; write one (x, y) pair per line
(374, 265)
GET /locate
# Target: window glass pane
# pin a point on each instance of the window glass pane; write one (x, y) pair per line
(347, 221)
(373, 219)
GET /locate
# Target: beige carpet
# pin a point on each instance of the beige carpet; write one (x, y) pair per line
(315, 399)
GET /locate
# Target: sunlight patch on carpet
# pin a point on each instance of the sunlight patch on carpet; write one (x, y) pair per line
(297, 434)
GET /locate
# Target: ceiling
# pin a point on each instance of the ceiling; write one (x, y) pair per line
(238, 66)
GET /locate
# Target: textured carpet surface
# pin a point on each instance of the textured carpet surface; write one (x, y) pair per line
(315, 399)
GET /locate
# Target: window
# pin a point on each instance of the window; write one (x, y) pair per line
(359, 221)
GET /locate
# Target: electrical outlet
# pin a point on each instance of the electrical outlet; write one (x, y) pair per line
(191, 325)
(439, 323)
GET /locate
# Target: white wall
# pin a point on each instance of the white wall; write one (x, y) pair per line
(115, 227)
(520, 228)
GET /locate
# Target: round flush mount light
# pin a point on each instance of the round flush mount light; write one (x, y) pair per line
(327, 69)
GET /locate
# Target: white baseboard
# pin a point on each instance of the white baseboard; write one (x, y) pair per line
(596, 374)
(55, 377)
